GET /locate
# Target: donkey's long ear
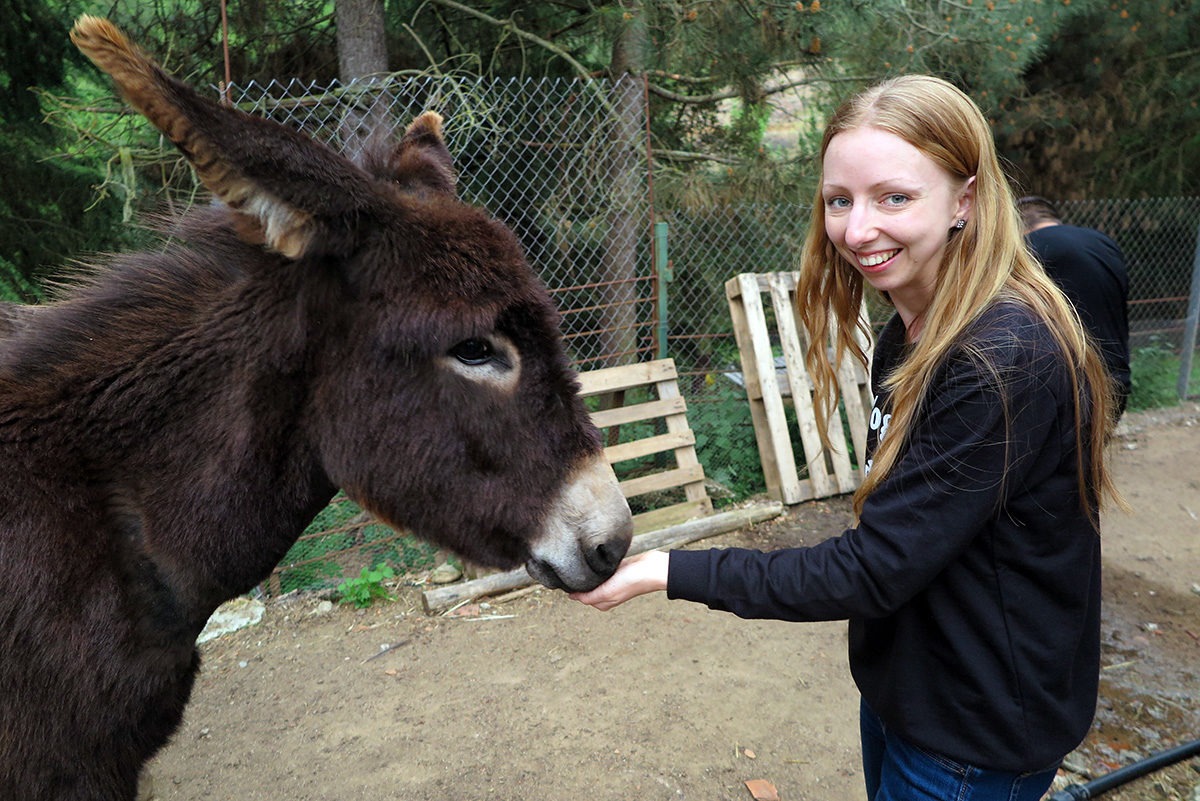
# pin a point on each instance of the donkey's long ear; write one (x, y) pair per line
(420, 160)
(290, 188)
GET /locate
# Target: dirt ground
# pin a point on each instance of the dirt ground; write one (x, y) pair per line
(537, 697)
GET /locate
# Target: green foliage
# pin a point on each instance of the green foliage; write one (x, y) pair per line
(367, 588)
(341, 531)
(32, 53)
(725, 440)
(313, 575)
(44, 200)
(1154, 374)
(1110, 109)
(14, 286)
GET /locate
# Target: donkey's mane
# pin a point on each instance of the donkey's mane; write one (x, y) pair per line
(102, 303)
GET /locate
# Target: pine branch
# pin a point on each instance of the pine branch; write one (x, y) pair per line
(511, 26)
(726, 94)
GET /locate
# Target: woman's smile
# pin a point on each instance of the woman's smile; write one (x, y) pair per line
(876, 262)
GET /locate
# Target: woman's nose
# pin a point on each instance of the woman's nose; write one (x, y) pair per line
(860, 226)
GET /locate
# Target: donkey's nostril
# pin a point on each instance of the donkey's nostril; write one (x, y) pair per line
(604, 558)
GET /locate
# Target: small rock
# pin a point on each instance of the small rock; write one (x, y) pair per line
(445, 573)
(323, 608)
(231, 616)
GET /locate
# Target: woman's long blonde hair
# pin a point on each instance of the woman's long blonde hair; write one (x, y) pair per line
(984, 262)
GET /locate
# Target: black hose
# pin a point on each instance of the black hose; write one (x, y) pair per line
(1128, 773)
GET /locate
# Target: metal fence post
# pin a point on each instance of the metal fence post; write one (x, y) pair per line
(663, 276)
(1189, 326)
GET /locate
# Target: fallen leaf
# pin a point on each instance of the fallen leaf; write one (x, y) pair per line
(467, 610)
(762, 790)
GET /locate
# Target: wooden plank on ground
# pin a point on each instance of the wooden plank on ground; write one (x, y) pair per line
(441, 598)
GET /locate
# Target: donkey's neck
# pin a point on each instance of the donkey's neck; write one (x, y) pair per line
(177, 411)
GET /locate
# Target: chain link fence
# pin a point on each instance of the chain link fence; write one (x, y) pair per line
(566, 166)
(562, 163)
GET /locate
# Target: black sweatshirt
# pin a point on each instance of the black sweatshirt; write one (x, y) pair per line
(1090, 268)
(972, 580)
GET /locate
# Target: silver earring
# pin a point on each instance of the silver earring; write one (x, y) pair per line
(960, 224)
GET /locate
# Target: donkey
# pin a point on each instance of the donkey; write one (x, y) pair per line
(173, 421)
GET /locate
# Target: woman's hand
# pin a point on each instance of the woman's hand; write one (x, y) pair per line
(637, 575)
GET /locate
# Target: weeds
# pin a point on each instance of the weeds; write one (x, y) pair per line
(367, 587)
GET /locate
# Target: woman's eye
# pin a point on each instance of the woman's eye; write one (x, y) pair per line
(837, 203)
(897, 200)
(473, 352)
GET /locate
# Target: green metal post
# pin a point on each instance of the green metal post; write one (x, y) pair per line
(664, 275)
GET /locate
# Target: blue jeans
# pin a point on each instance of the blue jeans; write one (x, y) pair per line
(896, 770)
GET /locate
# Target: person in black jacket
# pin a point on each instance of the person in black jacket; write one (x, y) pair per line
(971, 580)
(1090, 268)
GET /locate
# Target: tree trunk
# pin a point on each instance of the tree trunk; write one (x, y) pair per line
(361, 46)
(624, 228)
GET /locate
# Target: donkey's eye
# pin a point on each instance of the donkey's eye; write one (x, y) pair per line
(473, 352)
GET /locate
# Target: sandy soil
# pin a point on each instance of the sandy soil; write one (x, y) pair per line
(537, 697)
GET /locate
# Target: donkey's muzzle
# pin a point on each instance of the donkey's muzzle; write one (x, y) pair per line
(586, 533)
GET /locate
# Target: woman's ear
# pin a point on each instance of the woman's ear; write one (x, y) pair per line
(966, 199)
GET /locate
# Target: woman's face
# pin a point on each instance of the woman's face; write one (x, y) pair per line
(888, 211)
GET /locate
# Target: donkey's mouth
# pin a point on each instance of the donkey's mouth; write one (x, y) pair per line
(546, 575)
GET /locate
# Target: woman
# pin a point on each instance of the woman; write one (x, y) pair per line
(972, 578)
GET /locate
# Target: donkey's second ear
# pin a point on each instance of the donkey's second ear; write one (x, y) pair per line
(420, 161)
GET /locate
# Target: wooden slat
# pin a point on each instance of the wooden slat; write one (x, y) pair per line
(641, 448)
(766, 452)
(657, 482)
(754, 343)
(854, 380)
(829, 472)
(669, 516)
(627, 376)
(638, 412)
(780, 291)
(685, 455)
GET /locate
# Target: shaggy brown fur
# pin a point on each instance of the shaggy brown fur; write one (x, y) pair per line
(170, 425)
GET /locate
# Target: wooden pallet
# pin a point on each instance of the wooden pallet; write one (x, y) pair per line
(768, 386)
(683, 471)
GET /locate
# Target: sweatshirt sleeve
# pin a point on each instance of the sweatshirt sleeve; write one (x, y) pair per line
(971, 447)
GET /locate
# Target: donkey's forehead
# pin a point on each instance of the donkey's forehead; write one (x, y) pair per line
(445, 250)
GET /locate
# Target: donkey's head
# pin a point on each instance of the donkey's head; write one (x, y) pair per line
(438, 393)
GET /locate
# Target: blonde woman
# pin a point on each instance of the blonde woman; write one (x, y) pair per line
(971, 581)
